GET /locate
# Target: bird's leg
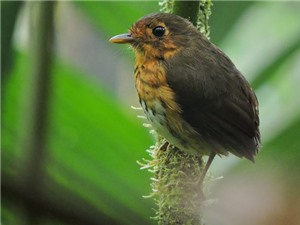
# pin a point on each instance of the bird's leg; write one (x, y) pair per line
(208, 163)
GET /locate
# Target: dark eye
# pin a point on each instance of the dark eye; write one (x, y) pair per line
(158, 31)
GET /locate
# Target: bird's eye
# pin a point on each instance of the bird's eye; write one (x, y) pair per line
(158, 31)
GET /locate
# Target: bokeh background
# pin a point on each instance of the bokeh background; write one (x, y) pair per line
(79, 166)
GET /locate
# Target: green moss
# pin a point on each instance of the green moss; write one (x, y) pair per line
(175, 186)
(203, 16)
(166, 5)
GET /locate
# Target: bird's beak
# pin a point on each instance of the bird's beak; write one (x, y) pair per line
(122, 39)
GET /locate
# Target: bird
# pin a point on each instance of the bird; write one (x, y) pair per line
(191, 92)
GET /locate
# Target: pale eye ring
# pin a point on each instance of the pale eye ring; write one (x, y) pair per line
(158, 31)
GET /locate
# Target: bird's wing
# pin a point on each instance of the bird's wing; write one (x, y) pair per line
(216, 100)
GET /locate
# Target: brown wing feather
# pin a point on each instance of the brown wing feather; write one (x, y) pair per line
(216, 100)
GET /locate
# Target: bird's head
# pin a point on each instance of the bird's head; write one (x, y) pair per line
(158, 35)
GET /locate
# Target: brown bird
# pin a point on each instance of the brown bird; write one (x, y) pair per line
(191, 92)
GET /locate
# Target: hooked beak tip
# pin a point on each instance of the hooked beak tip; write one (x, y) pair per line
(122, 39)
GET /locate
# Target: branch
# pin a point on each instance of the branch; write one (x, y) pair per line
(33, 130)
(187, 9)
(9, 13)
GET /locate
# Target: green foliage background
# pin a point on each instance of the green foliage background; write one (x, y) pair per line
(93, 141)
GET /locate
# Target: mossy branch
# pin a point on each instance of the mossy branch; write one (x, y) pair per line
(197, 12)
(187, 9)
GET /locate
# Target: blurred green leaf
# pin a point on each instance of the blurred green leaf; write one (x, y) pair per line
(112, 16)
(267, 73)
(103, 146)
(225, 14)
(93, 145)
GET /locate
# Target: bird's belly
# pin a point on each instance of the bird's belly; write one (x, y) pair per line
(157, 116)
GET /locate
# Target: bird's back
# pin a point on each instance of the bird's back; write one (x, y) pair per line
(216, 100)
